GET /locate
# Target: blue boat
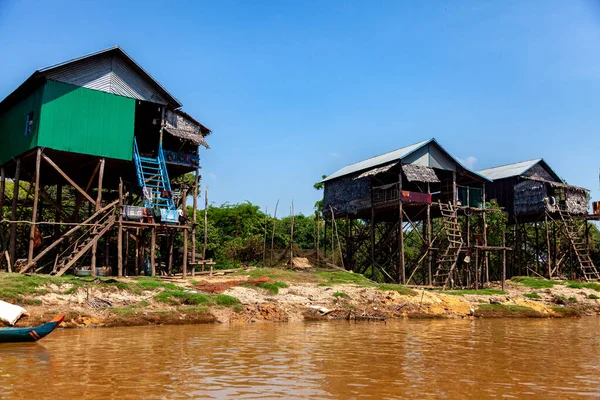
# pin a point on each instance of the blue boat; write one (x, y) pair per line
(32, 334)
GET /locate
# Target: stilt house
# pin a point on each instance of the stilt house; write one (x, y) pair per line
(93, 122)
(527, 189)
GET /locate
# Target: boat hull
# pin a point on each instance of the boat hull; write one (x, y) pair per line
(31, 334)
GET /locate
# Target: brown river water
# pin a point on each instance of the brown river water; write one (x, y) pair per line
(408, 359)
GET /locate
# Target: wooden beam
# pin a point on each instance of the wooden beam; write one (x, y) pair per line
(13, 225)
(66, 234)
(36, 196)
(68, 179)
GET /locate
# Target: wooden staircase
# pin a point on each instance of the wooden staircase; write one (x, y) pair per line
(447, 262)
(80, 247)
(590, 273)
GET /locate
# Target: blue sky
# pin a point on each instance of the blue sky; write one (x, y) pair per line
(293, 90)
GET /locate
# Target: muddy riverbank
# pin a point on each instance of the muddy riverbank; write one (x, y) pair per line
(275, 295)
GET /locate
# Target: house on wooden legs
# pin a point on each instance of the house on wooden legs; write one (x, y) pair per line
(96, 144)
(533, 194)
(398, 194)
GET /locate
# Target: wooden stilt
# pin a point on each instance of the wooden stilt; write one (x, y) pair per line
(170, 255)
(206, 225)
(401, 273)
(372, 237)
(184, 265)
(194, 221)
(153, 251)
(2, 190)
(503, 259)
(98, 206)
(549, 260)
(120, 232)
(429, 255)
(36, 196)
(13, 225)
(136, 267)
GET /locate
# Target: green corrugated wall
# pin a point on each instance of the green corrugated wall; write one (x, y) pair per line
(13, 141)
(86, 121)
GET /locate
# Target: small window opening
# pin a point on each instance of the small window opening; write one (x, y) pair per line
(29, 124)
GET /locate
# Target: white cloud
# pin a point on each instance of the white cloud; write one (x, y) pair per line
(468, 162)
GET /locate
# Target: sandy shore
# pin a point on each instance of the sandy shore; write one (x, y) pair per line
(300, 297)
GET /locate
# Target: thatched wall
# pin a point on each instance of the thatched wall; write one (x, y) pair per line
(534, 196)
(529, 197)
(347, 195)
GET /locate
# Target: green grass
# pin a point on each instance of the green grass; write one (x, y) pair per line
(505, 310)
(180, 297)
(532, 295)
(277, 274)
(487, 292)
(125, 310)
(593, 297)
(272, 288)
(566, 311)
(198, 309)
(403, 290)
(586, 285)
(504, 307)
(341, 295)
(153, 283)
(342, 277)
(534, 283)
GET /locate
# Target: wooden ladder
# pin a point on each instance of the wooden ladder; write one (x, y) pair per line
(447, 262)
(84, 243)
(590, 273)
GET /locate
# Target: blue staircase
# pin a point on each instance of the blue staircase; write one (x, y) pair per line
(153, 177)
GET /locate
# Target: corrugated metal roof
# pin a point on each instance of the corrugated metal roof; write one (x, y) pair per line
(111, 71)
(377, 160)
(509, 170)
(393, 156)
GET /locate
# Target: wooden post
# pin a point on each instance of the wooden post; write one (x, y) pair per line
(273, 234)
(13, 225)
(205, 226)
(136, 269)
(429, 256)
(36, 196)
(98, 206)
(537, 248)
(126, 231)
(476, 268)
(185, 234)
(2, 190)
(58, 215)
(194, 220)
(292, 235)
(401, 273)
(318, 236)
(265, 239)
(372, 235)
(453, 189)
(153, 251)
(120, 232)
(549, 260)
(486, 259)
(503, 259)
(170, 259)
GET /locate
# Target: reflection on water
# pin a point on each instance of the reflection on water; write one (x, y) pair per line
(447, 359)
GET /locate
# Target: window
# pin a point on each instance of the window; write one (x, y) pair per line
(29, 124)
